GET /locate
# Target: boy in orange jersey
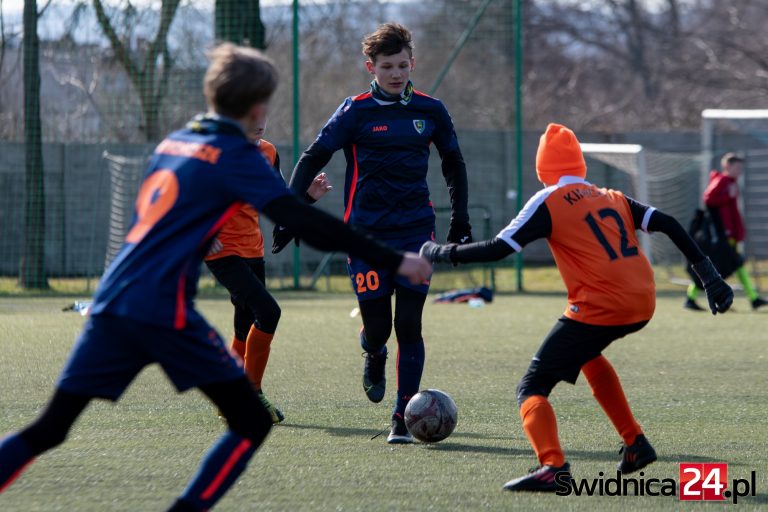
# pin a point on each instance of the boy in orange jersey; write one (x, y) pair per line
(611, 293)
(237, 262)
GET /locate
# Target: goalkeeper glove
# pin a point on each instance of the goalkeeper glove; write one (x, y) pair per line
(437, 253)
(459, 233)
(719, 294)
(280, 238)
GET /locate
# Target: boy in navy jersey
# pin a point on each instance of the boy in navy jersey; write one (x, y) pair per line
(143, 311)
(386, 134)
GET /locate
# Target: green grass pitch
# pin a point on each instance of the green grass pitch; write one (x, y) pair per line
(698, 385)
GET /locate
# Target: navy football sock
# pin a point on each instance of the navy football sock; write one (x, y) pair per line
(410, 363)
(14, 457)
(220, 468)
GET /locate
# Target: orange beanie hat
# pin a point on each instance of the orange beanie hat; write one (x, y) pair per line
(559, 154)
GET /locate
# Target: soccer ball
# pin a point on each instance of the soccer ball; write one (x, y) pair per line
(431, 415)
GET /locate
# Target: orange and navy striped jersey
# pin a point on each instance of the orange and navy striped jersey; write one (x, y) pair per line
(241, 235)
(591, 232)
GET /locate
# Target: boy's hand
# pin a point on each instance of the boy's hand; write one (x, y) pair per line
(437, 253)
(719, 294)
(415, 268)
(319, 187)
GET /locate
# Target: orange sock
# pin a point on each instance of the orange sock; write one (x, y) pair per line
(238, 347)
(540, 426)
(607, 390)
(257, 354)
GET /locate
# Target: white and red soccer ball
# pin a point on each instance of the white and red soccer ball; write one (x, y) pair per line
(431, 415)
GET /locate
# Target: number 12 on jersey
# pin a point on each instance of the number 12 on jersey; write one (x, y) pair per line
(624, 248)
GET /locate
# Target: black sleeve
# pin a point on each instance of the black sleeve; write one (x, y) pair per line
(312, 161)
(328, 233)
(532, 223)
(480, 252)
(668, 225)
(455, 173)
(639, 212)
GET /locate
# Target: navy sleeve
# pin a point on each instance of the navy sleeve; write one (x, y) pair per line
(327, 233)
(339, 129)
(250, 178)
(444, 135)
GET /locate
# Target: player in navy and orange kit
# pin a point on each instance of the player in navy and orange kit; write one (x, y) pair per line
(238, 264)
(611, 293)
(386, 135)
(143, 311)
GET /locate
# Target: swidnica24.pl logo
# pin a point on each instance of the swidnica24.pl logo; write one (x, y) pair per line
(697, 481)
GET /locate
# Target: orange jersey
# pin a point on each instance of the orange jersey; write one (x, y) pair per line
(591, 232)
(241, 235)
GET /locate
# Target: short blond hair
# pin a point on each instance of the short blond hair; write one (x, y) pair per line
(238, 78)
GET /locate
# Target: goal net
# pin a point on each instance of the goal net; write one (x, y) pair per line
(667, 181)
(125, 175)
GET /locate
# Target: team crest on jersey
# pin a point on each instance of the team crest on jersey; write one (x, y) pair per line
(419, 124)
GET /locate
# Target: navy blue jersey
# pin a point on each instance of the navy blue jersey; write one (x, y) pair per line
(386, 145)
(197, 178)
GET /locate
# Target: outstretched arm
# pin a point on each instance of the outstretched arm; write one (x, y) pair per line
(663, 223)
(719, 294)
(477, 252)
(328, 233)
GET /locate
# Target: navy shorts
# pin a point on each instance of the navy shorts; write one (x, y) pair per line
(371, 282)
(112, 350)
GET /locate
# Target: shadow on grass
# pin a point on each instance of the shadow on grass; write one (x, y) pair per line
(336, 431)
(524, 449)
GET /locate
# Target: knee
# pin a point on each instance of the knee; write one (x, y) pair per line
(269, 317)
(532, 384)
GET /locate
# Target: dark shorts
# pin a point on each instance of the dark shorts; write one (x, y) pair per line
(112, 350)
(571, 344)
(244, 279)
(371, 282)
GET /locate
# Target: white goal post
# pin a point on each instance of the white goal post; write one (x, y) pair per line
(709, 118)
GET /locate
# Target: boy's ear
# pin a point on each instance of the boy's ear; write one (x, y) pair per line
(369, 66)
(413, 63)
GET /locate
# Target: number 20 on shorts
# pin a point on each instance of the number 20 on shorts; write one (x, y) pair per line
(367, 282)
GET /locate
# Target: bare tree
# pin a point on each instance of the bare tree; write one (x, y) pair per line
(148, 66)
